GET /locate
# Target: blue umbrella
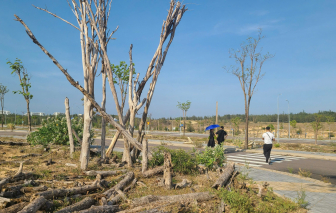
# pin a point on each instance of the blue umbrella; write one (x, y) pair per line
(212, 127)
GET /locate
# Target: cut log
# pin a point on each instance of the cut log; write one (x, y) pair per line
(131, 185)
(4, 182)
(3, 202)
(105, 173)
(101, 209)
(103, 201)
(121, 185)
(34, 205)
(167, 170)
(14, 143)
(225, 177)
(11, 192)
(81, 205)
(202, 196)
(14, 208)
(64, 192)
(152, 172)
(144, 156)
(33, 189)
(183, 184)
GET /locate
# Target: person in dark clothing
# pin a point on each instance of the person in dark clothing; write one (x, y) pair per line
(211, 142)
(221, 135)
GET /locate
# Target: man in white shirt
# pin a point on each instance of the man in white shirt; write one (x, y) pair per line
(268, 137)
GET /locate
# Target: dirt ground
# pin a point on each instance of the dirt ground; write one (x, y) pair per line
(57, 175)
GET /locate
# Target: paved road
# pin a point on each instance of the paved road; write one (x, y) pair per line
(318, 168)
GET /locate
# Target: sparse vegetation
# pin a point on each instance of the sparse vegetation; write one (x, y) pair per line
(304, 173)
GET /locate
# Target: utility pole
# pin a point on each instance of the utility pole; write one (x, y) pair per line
(278, 121)
(216, 113)
(288, 120)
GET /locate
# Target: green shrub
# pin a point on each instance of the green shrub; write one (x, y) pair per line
(55, 130)
(237, 201)
(277, 145)
(183, 162)
(212, 156)
(11, 126)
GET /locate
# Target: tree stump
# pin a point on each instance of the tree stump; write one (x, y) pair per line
(224, 178)
(167, 170)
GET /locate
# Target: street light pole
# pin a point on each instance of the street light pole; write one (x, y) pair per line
(278, 121)
(288, 120)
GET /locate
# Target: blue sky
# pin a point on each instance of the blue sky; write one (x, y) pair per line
(300, 33)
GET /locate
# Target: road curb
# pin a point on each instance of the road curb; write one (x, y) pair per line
(320, 157)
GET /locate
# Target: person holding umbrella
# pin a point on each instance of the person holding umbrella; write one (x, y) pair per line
(211, 142)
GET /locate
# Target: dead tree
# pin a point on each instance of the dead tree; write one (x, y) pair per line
(248, 76)
(67, 113)
(167, 173)
(169, 26)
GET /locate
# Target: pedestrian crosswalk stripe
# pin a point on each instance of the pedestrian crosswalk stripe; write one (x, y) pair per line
(258, 159)
(288, 157)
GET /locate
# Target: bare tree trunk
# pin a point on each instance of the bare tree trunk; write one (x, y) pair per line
(113, 142)
(2, 117)
(85, 151)
(67, 113)
(144, 156)
(103, 125)
(246, 126)
(316, 132)
(28, 114)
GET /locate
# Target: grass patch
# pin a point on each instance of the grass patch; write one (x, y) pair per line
(290, 169)
(304, 173)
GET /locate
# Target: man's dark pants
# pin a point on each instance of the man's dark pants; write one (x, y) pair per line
(267, 151)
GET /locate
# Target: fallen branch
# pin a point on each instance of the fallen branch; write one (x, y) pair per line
(153, 172)
(121, 185)
(70, 164)
(224, 178)
(131, 185)
(105, 173)
(202, 196)
(14, 208)
(81, 205)
(64, 192)
(76, 136)
(183, 184)
(34, 206)
(29, 155)
(101, 209)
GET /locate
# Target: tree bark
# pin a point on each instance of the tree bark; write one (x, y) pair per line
(81, 205)
(76, 136)
(64, 192)
(101, 209)
(153, 172)
(103, 124)
(85, 151)
(131, 185)
(28, 114)
(34, 205)
(14, 208)
(144, 156)
(225, 177)
(167, 170)
(67, 113)
(113, 143)
(246, 126)
(201, 196)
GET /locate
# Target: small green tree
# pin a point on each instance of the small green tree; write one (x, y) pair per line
(236, 121)
(3, 91)
(330, 120)
(316, 125)
(184, 107)
(293, 125)
(272, 127)
(18, 68)
(121, 77)
(190, 127)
